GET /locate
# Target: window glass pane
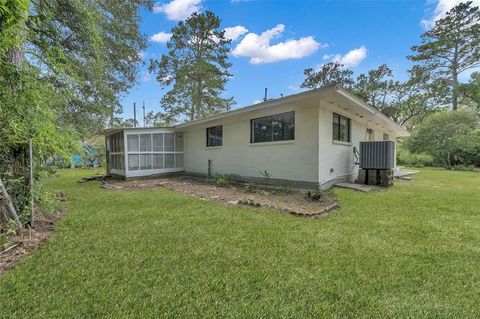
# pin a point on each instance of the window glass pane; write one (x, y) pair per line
(169, 161)
(169, 140)
(215, 136)
(283, 126)
(158, 142)
(262, 129)
(132, 143)
(133, 162)
(145, 142)
(157, 161)
(145, 161)
(179, 142)
(336, 120)
(179, 160)
(278, 127)
(343, 129)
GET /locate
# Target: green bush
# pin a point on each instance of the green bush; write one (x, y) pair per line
(406, 158)
(222, 179)
(463, 168)
(250, 187)
(451, 138)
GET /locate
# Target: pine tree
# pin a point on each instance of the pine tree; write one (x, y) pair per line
(196, 69)
(451, 47)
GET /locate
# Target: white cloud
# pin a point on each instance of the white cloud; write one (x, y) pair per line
(258, 48)
(351, 58)
(441, 9)
(257, 101)
(178, 10)
(161, 37)
(233, 33)
(146, 76)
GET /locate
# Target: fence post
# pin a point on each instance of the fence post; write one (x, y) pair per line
(30, 155)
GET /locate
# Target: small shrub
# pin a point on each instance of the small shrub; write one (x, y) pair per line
(463, 168)
(266, 176)
(222, 179)
(250, 187)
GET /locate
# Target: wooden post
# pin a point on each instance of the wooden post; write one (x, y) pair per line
(30, 158)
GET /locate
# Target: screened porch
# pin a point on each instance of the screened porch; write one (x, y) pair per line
(137, 152)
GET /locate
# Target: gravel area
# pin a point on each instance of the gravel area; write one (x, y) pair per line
(284, 200)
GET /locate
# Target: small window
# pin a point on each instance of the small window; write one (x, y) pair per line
(386, 137)
(273, 128)
(371, 134)
(341, 128)
(215, 136)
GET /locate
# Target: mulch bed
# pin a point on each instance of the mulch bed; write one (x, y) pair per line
(27, 239)
(289, 201)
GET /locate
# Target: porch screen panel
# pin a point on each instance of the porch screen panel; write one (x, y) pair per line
(132, 143)
(178, 160)
(145, 142)
(178, 142)
(145, 161)
(157, 161)
(133, 162)
(169, 141)
(169, 160)
(157, 142)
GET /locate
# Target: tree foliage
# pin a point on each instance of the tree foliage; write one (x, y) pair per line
(451, 47)
(332, 73)
(63, 66)
(451, 138)
(196, 69)
(376, 86)
(470, 92)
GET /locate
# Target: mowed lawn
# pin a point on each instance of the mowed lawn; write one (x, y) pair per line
(410, 251)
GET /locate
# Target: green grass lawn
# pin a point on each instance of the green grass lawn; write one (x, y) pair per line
(410, 251)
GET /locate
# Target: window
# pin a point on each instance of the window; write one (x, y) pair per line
(278, 127)
(371, 134)
(215, 136)
(386, 137)
(341, 128)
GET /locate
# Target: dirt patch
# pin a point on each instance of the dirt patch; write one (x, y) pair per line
(288, 201)
(26, 240)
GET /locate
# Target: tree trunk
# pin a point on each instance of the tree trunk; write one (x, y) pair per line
(455, 80)
(454, 89)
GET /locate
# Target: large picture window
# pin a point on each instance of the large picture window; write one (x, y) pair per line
(215, 136)
(341, 128)
(278, 127)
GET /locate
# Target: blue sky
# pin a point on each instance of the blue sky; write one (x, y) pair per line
(285, 37)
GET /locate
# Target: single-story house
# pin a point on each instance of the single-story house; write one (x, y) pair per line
(302, 140)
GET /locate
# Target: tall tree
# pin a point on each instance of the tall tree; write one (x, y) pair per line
(196, 69)
(413, 100)
(376, 86)
(327, 74)
(451, 47)
(63, 65)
